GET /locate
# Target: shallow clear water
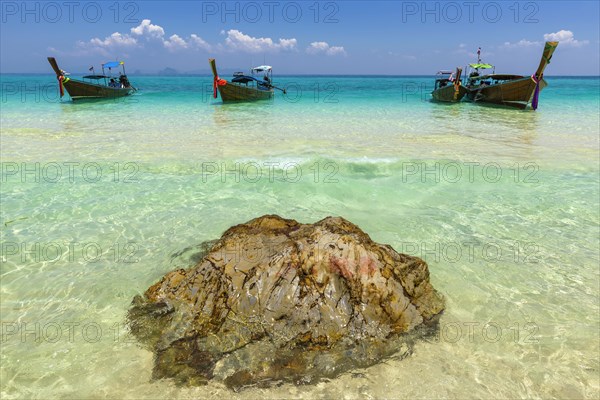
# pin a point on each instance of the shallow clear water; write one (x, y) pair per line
(97, 197)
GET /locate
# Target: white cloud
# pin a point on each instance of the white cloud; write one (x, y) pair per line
(566, 38)
(144, 33)
(521, 43)
(147, 28)
(317, 47)
(175, 43)
(325, 48)
(144, 30)
(239, 41)
(334, 50)
(116, 39)
(149, 34)
(288, 44)
(198, 42)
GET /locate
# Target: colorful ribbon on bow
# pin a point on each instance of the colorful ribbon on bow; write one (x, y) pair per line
(60, 85)
(536, 93)
(456, 88)
(218, 82)
(61, 81)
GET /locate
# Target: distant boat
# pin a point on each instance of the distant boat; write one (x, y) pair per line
(256, 86)
(508, 90)
(94, 86)
(448, 86)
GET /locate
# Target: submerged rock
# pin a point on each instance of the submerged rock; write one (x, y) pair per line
(274, 300)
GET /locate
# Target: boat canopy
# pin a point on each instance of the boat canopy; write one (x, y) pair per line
(481, 66)
(499, 77)
(262, 68)
(112, 64)
(95, 77)
(244, 79)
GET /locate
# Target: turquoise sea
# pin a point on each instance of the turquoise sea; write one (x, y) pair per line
(98, 198)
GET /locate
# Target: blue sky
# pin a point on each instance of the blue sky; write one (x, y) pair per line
(300, 37)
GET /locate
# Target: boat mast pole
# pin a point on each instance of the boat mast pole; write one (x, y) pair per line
(549, 48)
(55, 67)
(213, 67)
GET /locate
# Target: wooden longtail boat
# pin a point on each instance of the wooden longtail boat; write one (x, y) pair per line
(94, 86)
(508, 90)
(448, 86)
(238, 89)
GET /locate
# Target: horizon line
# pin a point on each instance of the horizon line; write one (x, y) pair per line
(209, 74)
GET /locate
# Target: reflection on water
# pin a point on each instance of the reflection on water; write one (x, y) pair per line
(512, 118)
(243, 115)
(505, 125)
(99, 116)
(470, 131)
(452, 112)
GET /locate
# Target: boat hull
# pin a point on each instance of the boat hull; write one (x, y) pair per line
(449, 94)
(517, 93)
(233, 92)
(79, 90)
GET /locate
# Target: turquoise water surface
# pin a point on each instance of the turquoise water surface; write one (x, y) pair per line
(98, 198)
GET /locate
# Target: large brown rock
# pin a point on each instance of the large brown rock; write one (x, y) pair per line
(275, 300)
